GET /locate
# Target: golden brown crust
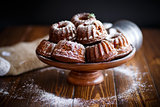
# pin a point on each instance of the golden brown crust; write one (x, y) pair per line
(88, 33)
(64, 30)
(103, 51)
(45, 48)
(82, 18)
(67, 51)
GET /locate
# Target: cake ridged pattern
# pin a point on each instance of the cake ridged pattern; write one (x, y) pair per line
(121, 44)
(121, 41)
(45, 48)
(103, 51)
(90, 32)
(64, 30)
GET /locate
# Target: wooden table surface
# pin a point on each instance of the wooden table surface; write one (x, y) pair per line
(136, 83)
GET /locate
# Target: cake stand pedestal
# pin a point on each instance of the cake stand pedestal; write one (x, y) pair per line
(87, 73)
(83, 78)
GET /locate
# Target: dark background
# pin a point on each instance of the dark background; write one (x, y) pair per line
(145, 13)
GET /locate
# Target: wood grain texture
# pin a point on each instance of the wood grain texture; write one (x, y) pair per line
(151, 52)
(135, 83)
(98, 95)
(138, 82)
(146, 87)
(126, 90)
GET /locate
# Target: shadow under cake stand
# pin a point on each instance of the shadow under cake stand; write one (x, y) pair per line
(87, 73)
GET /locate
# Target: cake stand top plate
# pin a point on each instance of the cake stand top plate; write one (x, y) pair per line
(88, 66)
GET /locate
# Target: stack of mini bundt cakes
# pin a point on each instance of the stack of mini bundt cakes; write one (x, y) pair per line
(83, 39)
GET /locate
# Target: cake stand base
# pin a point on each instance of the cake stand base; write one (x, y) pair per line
(85, 78)
(88, 73)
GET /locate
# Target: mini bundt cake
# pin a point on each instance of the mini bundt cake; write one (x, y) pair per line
(64, 30)
(83, 18)
(100, 52)
(88, 33)
(121, 44)
(45, 48)
(67, 51)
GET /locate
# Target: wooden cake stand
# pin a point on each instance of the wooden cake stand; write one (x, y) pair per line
(87, 73)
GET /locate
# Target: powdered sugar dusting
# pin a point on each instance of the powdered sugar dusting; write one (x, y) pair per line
(130, 71)
(49, 98)
(3, 92)
(136, 80)
(38, 94)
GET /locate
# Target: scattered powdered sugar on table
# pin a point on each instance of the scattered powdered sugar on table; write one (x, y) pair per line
(135, 76)
(51, 99)
(3, 92)
(47, 98)
(102, 102)
(53, 68)
(129, 71)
